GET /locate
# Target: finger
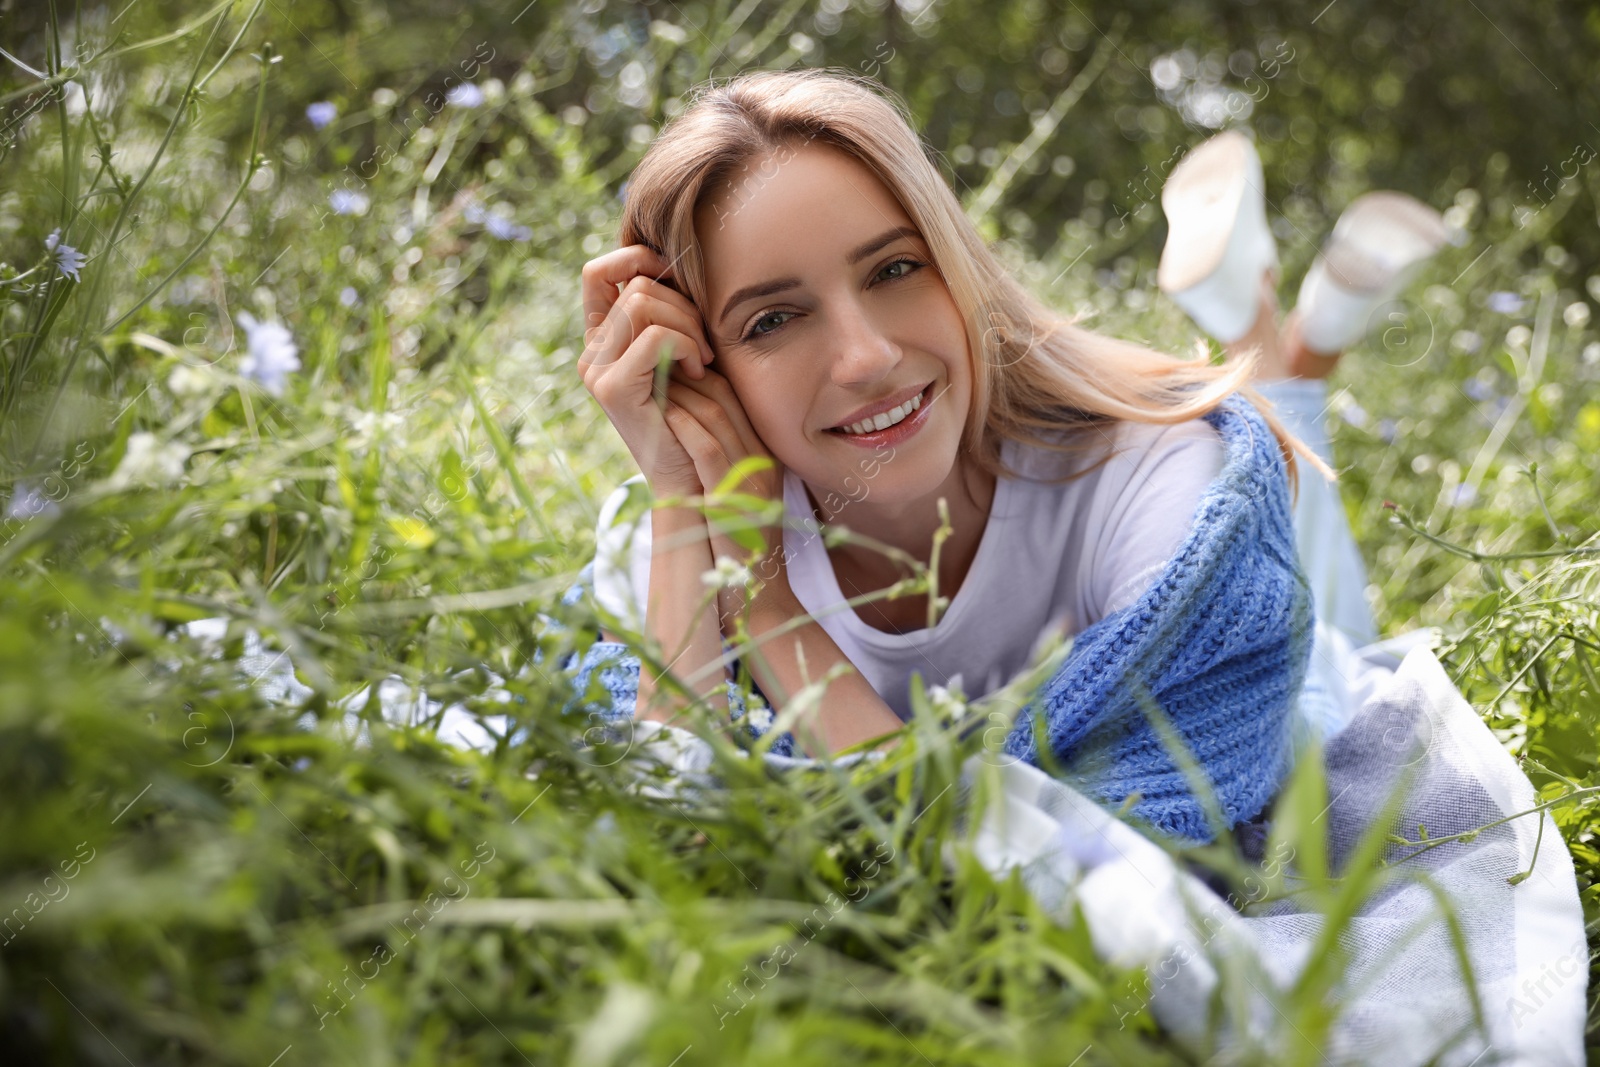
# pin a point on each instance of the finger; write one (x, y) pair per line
(634, 268)
(603, 274)
(716, 387)
(628, 321)
(661, 289)
(710, 462)
(631, 381)
(711, 416)
(649, 287)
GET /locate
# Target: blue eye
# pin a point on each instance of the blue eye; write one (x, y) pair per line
(912, 264)
(755, 331)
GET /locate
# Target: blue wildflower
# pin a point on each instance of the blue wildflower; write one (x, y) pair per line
(1504, 303)
(68, 259)
(348, 202)
(321, 113)
(272, 353)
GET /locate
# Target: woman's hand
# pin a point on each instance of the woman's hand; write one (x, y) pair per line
(709, 422)
(628, 335)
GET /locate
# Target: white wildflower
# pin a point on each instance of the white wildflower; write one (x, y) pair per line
(68, 259)
(322, 112)
(367, 424)
(349, 297)
(729, 573)
(149, 462)
(186, 381)
(760, 715)
(946, 704)
(465, 95)
(272, 355)
(27, 502)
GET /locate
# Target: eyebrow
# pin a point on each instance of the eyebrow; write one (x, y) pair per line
(778, 285)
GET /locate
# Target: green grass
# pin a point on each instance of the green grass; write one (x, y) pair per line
(242, 887)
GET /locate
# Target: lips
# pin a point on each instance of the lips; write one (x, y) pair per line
(881, 407)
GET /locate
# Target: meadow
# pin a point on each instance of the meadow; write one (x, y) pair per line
(289, 316)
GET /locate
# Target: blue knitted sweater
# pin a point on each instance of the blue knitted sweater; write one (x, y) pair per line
(1219, 642)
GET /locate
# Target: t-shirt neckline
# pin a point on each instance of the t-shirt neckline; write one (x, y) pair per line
(798, 503)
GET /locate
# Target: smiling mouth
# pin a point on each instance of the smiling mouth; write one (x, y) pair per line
(885, 419)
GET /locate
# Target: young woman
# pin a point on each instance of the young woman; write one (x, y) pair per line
(793, 260)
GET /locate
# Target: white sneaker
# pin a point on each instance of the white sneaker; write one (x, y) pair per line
(1379, 243)
(1218, 243)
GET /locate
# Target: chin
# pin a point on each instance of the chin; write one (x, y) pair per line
(894, 477)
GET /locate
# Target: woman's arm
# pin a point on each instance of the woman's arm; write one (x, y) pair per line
(678, 617)
(713, 428)
(849, 710)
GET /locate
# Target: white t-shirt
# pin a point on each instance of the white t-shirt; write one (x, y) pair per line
(1072, 552)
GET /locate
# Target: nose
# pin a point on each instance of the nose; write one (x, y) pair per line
(866, 354)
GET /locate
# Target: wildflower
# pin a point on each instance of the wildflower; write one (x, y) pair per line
(464, 95)
(727, 574)
(760, 715)
(189, 381)
(365, 425)
(1467, 341)
(503, 228)
(349, 297)
(26, 502)
(272, 353)
(1353, 413)
(149, 462)
(321, 113)
(495, 222)
(1576, 315)
(1388, 430)
(1504, 303)
(1477, 389)
(68, 259)
(348, 202)
(948, 702)
(1463, 495)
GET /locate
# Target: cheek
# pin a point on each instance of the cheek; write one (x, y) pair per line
(775, 403)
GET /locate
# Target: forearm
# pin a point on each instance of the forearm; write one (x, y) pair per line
(679, 617)
(849, 709)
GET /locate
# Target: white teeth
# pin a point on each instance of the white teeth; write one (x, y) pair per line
(887, 418)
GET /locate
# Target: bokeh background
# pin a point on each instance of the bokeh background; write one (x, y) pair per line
(309, 372)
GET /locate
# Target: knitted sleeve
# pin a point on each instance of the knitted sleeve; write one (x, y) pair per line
(1219, 643)
(614, 667)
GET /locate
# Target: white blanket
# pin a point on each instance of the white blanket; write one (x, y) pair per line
(1401, 998)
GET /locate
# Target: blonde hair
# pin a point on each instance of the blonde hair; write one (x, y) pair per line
(1036, 373)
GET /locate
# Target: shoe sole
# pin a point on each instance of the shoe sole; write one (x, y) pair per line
(1218, 242)
(1202, 198)
(1379, 243)
(1378, 237)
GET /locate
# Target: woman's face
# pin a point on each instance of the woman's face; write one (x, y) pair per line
(824, 311)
